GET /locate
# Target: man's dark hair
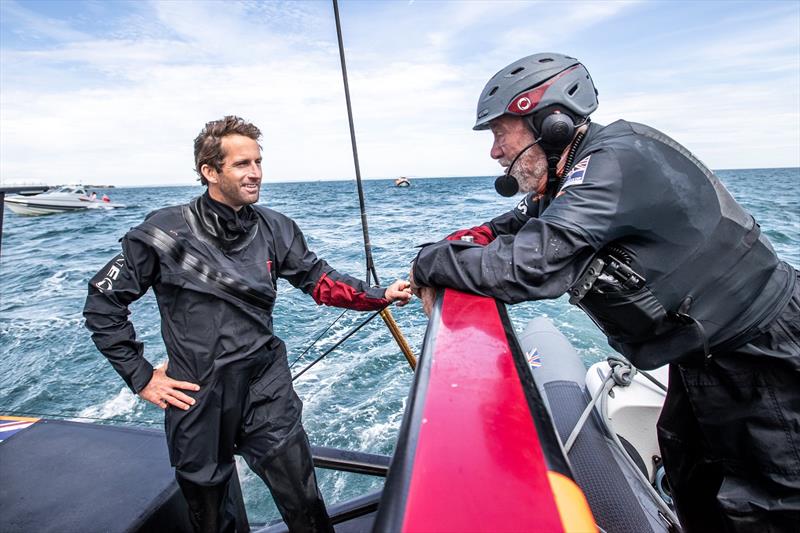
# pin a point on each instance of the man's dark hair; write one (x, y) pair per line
(208, 145)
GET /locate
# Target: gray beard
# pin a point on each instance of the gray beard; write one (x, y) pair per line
(531, 173)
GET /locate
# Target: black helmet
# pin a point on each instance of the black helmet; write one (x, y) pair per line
(534, 83)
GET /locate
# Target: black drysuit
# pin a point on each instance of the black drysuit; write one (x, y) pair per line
(715, 300)
(214, 274)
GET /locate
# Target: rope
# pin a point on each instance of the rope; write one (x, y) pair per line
(622, 371)
(607, 385)
(617, 360)
(653, 380)
(656, 497)
(621, 374)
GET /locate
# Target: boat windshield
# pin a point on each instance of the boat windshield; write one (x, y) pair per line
(71, 190)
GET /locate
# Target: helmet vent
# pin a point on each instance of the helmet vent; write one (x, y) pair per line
(546, 60)
(494, 90)
(572, 89)
(517, 70)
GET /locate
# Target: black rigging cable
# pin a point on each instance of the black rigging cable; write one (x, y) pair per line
(386, 314)
(364, 226)
(370, 264)
(317, 339)
(340, 341)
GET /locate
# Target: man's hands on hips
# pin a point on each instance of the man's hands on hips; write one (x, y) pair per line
(163, 390)
(399, 291)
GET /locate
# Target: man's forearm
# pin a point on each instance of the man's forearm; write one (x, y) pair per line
(541, 261)
(340, 290)
(115, 338)
(122, 281)
(453, 264)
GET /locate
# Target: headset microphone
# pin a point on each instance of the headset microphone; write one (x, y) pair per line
(507, 185)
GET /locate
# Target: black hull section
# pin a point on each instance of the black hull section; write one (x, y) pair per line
(66, 476)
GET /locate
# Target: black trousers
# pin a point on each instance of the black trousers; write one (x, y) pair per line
(730, 434)
(259, 418)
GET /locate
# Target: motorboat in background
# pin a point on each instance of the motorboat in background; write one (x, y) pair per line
(60, 200)
(402, 181)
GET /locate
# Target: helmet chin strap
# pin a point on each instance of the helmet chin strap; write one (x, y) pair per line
(552, 179)
(554, 155)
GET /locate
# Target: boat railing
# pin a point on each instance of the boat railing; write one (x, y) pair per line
(478, 450)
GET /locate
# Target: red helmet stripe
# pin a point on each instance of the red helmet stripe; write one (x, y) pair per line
(526, 102)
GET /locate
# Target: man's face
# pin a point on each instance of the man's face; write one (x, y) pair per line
(511, 136)
(238, 183)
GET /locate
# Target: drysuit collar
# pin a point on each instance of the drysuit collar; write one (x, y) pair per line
(232, 222)
(559, 162)
(218, 224)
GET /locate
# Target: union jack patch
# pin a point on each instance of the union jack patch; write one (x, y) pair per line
(575, 176)
(533, 358)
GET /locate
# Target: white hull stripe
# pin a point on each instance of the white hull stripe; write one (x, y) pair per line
(9, 428)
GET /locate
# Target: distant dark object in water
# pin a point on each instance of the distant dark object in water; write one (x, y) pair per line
(402, 182)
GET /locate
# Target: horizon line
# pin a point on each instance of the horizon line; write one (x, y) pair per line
(3, 183)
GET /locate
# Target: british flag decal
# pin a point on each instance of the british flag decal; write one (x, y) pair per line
(575, 176)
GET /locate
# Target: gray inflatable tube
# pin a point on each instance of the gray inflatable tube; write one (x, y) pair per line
(616, 493)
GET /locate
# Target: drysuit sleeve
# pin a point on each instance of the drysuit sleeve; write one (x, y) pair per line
(122, 281)
(545, 257)
(541, 261)
(506, 224)
(303, 269)
(511, 222)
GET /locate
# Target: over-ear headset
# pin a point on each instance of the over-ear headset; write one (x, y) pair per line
(557, 130)
(554, 126)
(553, 129)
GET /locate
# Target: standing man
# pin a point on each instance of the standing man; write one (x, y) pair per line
(214, 264)
(651, 245)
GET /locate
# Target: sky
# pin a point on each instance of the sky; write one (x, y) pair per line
(114, 92)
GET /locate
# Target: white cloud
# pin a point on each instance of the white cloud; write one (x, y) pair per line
(124, 106)
(710, 122)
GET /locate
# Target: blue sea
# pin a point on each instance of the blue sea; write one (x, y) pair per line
(355, 397)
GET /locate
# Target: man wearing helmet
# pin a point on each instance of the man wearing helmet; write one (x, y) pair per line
(647, 241)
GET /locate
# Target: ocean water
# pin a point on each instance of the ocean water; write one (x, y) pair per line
(352, 399)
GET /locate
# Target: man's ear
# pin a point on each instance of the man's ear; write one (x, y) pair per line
(209, 173)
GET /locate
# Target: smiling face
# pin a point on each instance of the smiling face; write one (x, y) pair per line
(511, 136)
(238, 182)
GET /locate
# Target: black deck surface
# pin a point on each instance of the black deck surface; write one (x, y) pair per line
(72, 477)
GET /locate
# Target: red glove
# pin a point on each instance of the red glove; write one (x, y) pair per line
(480, 234)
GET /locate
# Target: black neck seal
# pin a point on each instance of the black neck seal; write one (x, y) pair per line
(219, 225)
